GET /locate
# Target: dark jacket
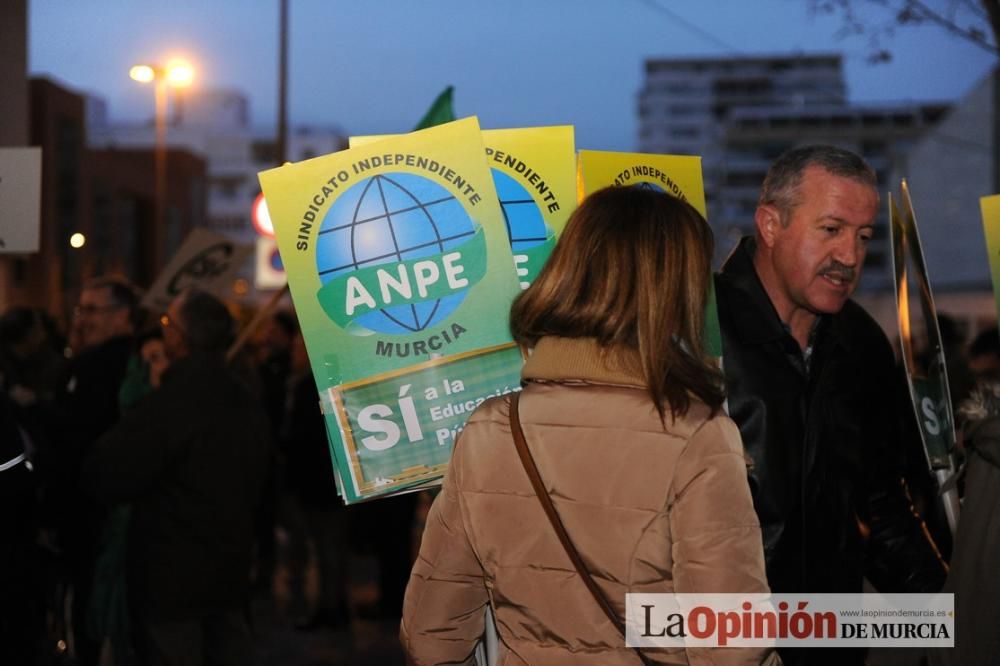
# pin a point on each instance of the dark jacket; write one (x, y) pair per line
(85, 409)
(826, 445)
(306, 447)
(192, 459)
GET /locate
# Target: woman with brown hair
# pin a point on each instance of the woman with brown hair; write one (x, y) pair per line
(621, 413)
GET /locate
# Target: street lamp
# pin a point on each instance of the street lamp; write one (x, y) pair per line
(177, 74)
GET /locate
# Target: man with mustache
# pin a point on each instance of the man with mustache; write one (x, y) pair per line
(813, 388)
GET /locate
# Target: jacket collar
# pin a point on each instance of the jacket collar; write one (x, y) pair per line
(583, 359)
(756, 319)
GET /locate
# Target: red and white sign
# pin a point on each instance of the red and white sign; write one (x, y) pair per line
(261, 218)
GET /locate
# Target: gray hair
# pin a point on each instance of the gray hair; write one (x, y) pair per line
(781, 186)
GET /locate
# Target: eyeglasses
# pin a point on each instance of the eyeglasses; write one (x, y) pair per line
(89, 310)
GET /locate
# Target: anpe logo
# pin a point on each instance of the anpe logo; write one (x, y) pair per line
(646, 185)
(396, 253)
(527, 232)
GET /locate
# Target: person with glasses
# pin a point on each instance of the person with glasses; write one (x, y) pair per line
(107, 310)
(104, 324)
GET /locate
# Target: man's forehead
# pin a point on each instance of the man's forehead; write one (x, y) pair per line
(822, 179)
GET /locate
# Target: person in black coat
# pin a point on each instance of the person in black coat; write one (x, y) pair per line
(973, 578)
(310, 479)
(192, 459)
(811, 385)
(104, 323)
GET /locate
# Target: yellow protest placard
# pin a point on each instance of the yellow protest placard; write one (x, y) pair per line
(990, 207)
(679, 175)
(400, 270)
(534, 174)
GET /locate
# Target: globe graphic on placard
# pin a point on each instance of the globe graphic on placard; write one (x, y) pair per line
(386, 219)
(525, 226)
(645, 185)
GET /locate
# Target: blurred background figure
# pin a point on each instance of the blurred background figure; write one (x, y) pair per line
(192, 459)
(309, 485)
(105, 320)
(972, 577)
(32, 365)
(953, 344)
(32, 370)
(271, 355)
(22, 591)
(984, 355)
(109, 615)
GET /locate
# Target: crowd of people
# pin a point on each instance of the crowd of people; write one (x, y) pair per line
(146, 471)
(146, 461)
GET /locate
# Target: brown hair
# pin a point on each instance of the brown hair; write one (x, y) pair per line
(631, 270)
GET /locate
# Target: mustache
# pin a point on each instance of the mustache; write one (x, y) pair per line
(839, 270)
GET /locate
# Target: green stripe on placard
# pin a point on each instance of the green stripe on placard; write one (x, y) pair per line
(365, 290)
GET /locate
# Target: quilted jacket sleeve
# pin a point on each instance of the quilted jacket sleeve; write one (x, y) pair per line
(445, 603)
(715, 533)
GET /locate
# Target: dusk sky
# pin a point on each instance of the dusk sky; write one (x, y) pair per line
(375, 66)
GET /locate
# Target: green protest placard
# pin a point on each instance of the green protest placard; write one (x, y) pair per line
(928, 381)
(432, 400)
(534, 170)
(401, 273)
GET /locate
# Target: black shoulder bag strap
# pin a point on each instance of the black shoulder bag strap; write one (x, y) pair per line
(550, 511)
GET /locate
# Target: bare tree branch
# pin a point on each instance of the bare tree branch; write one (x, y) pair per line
(974, 35)
(974, 21)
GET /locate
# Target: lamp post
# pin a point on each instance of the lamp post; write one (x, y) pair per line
(178, 74)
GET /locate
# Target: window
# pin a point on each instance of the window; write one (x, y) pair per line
(685, 132)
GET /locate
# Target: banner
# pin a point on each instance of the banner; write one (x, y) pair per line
(756, 620)
(400, 270)
(20, 199)
(534, 171)
(928, 380)
(206, 260)
(677, 175)
(990, 207)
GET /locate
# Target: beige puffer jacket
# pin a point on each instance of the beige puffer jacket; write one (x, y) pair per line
(649, 511)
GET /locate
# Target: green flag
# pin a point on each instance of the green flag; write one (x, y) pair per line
(441, 111)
